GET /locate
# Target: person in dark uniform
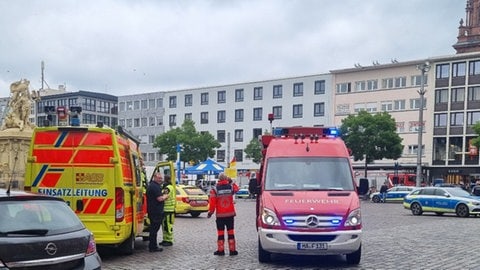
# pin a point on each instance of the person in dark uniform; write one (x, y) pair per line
(155, 204)
(383, 191)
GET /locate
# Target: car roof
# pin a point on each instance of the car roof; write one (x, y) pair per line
(9, 195)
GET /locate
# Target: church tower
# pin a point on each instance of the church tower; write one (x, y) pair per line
(468, 39)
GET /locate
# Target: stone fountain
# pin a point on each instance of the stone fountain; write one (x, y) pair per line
(16, 134)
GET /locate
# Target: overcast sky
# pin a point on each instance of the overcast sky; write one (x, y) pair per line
(123, 47)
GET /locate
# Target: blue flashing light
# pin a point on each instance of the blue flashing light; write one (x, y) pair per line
(289, 221)
(332, 132)
(336, 221)
(278, 132)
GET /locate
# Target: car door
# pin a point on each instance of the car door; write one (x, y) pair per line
(441, 200)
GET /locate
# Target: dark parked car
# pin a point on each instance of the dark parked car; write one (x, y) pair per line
(42, 232)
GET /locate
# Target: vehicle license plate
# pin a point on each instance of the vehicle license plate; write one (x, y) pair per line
(198, 203)
(312, 245)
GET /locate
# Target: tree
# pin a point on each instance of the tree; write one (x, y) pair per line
(196, 146)
(253, 150)
(371, 137)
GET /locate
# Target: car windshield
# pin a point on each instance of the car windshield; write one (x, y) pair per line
(308, 173)
(37, 217)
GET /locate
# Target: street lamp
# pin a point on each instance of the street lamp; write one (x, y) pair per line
(424, 68)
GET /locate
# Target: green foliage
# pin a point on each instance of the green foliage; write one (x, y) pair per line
(196, 146)
(371, 137)
(254, 150)
(476, 141)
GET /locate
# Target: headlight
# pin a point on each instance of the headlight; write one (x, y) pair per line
(475, 203)
(354, 218)
(269, 217)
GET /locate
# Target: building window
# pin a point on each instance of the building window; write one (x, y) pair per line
(204, 99)
(257, 114)
(440, 120)
(238, 95)
(413, 126)
(319, 87)
(415, 103)
(372, 85)
(474, 68)
(129, 123)
(172, 120)
(387, 83)
(459, 69)
(238, 153)
(319, 109)
(151, 139)
(277, 112)
(239, 135)
(160, 103)
(151, 103)
(399, 104)
(458, 95)
(188, 100)
(342, 88)
(221, 96)
(144, 121)
(221, 136)
(188, 116)
(400, 127)
(474, 93)
(298, 89)
(277, 91)
(220, 155)
(442, 71)
(441, 96)
(221, 115)
(258, 93)
(204, 118)
(297, 111)
(417, 80)
(172, 102)
(400, 82)
(239, 115)
(121, 106)
(387, 106)
(472, 118)
(151, 121)
(256, 133)
(456, 119)
(360, 86)
(136, 105)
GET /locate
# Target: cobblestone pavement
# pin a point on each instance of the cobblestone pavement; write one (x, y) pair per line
(392, 239)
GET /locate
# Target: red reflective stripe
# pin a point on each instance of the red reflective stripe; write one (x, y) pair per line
(94, 138)
(105, 207)
(93, 206)
(46, 137)
(92, 156)
(128, 214)
(52, 155)
(50, 180)
(73, 139)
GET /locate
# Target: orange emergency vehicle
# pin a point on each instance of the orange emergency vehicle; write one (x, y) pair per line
(307, 201)
(98, 171)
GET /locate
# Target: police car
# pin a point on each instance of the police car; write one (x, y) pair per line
(394, 194)
(441, 200)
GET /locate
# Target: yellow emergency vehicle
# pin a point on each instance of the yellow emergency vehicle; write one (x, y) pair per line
(97, 170)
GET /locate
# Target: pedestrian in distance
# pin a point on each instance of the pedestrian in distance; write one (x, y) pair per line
(383, 191)
(155, 209)
(169, 212)
(222, 204)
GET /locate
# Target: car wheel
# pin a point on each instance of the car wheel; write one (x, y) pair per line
(416, 209)
(354, 258)
(462, 210)
(195, 214)
(376, 199)
(263, 255)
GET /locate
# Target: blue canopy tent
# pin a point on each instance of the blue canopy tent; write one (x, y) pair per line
(209, 167)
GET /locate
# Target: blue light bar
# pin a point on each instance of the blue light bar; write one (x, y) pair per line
(333, 132)
(278, 132)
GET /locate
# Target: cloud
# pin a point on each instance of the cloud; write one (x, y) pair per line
(124, 47)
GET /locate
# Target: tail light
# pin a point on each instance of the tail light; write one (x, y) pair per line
(92, 247)
(185, 200)
(119, 205)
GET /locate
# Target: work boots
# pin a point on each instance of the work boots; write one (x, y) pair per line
(232, 247)
(220, 248)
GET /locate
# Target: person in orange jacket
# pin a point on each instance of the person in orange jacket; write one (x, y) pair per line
(221, 201)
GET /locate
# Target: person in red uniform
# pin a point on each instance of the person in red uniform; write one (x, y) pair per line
(221, 202)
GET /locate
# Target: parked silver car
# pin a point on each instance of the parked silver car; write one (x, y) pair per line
(42, 232)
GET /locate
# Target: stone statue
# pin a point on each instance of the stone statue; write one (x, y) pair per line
(18, 110)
